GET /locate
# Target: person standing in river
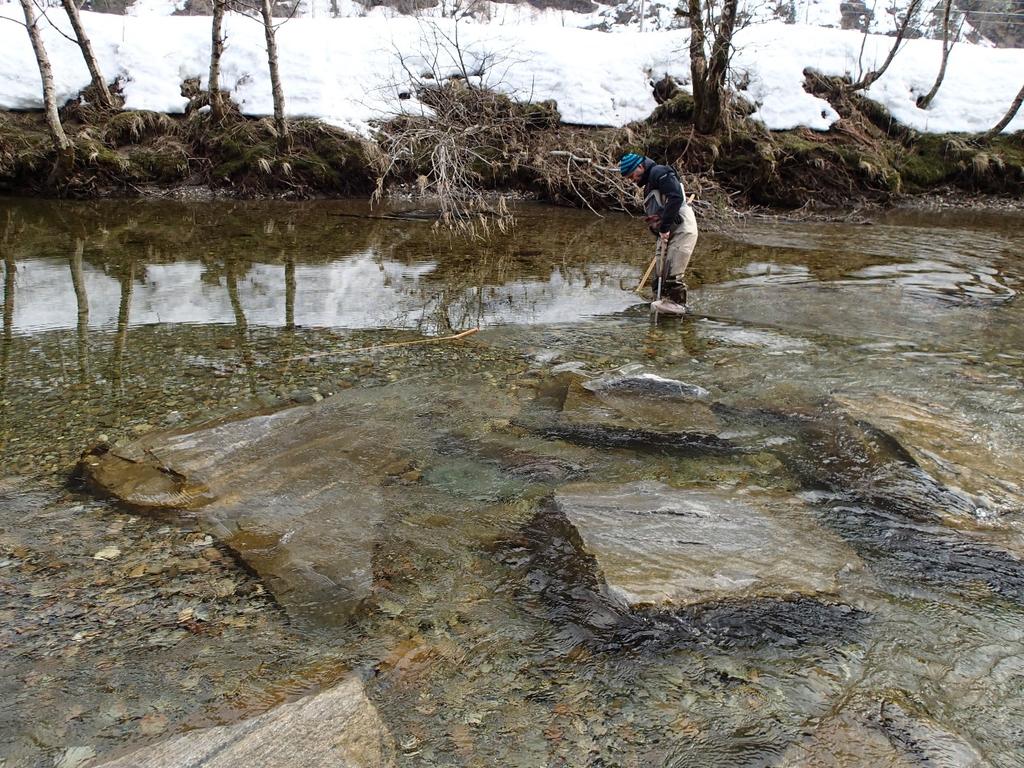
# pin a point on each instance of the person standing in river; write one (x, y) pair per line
(669, 218)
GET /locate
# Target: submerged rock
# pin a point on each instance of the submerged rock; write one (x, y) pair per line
(643, 384)
(952, 450)
(860, 481)
(843, 740)
(658, 546)
(867, 487)
(922, 737)
(887, 734)
(333, 729)
(562, 582)
(142, 484)
(836, 456)
(626, 400)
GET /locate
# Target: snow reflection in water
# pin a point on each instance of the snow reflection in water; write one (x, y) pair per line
(490, 635)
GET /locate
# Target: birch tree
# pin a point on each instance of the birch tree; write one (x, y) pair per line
(265, 11)
(101, 94)
(996, 129)
(947, 45)
(61, 143)
(283, 139)
(216, 51)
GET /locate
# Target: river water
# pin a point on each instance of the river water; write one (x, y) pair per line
(482, 642)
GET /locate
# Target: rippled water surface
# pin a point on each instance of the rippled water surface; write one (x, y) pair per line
(554, 571)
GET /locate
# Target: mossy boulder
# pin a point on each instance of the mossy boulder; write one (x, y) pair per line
(137, 126)
(679, 107)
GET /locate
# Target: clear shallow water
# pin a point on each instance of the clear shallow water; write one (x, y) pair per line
(479, 645)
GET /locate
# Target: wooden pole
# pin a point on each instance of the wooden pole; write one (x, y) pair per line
(650, 268)
(453, 337)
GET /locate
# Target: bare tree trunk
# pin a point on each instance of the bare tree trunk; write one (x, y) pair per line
(925, 101)
(216, 50)
(99, 85)
(283, 139)
(721, 49)
(61, 143)
(901, 32)
(996, 129)
(709, 77)
(698, 57)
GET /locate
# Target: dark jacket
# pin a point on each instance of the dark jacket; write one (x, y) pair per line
(663, 179)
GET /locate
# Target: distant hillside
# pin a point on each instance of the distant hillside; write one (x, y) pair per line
(998, 22)
(1001, 21)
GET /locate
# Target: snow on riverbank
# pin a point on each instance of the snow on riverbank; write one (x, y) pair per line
(350, 71)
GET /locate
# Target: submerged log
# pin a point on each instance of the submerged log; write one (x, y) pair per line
(649, 441)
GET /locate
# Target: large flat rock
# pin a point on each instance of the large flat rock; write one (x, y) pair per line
(337, 728)
(299, 494)
(664, 547)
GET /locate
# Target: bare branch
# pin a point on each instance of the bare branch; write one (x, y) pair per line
(901, 31)
(996, 129)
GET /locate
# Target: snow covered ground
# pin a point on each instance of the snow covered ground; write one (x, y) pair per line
(350, 71)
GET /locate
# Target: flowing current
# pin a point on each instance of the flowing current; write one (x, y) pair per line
(785, 530)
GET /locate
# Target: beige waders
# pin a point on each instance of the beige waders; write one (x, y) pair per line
(681, 245)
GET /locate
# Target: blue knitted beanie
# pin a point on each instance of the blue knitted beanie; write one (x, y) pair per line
(629, 162)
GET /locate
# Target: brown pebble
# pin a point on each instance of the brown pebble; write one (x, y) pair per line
(152, 725)
(397, 467)
(212, 554)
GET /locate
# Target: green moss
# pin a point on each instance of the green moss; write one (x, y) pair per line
(235, 160)
(933, 160)
(167, 163)
(95, 156)
(921, 171)
(1010, 146)
(679, 107)
(796, 143)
